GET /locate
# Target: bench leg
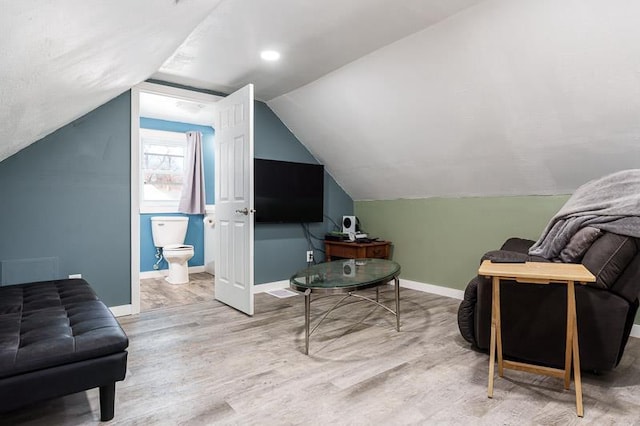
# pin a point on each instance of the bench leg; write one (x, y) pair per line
(107, 400)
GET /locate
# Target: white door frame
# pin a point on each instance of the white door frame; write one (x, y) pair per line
(157, 89)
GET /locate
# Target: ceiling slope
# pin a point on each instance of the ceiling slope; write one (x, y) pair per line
(63, 58)
(313, 37)
(505, 98)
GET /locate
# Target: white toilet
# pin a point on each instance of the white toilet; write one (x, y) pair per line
(168, 233)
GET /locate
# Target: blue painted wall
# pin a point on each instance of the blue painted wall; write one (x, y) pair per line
(195, 231)
(68, 196)
(280, 249)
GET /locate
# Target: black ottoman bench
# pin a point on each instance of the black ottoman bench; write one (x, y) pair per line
(58, 338)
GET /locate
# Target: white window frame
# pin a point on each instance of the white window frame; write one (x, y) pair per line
(164, 137)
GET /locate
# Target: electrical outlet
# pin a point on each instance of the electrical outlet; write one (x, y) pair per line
(309, 256)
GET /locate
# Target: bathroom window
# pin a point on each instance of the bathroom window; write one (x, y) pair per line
(162, 164)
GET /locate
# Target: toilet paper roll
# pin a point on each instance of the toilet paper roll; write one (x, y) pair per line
(209, 221)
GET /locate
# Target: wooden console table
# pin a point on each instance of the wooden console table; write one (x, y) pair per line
(538, 273)
(354, 250)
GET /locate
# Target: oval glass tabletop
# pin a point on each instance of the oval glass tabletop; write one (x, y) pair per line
(345, 275)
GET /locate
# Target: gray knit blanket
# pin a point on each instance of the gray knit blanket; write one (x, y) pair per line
(611, 203)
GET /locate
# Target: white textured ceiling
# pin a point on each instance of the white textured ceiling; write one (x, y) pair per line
(505, 98)
(61, 59)
(399, 99)
(313, 37)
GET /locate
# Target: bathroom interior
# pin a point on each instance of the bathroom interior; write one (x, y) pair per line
(176, 249)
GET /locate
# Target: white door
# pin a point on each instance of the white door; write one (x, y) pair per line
(234, 200)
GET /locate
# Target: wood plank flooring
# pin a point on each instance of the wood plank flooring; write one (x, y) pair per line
(205, 363)
(158, 293)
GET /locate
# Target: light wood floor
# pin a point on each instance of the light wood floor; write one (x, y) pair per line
(205, 363)
(158, 293)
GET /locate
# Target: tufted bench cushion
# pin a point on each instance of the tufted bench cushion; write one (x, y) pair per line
(53, 328)
(51, 323)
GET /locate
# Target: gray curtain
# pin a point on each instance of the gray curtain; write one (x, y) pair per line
(192, 199)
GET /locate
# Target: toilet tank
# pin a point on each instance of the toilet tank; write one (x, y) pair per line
(167, 230)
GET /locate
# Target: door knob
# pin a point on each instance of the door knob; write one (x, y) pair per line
(245, 211)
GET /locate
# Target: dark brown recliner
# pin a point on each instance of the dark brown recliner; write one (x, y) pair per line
(534, 316)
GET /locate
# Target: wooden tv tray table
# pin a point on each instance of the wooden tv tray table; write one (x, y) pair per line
(538, 273)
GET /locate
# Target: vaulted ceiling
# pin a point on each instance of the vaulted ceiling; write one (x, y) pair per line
(61, 59)
(407, 99)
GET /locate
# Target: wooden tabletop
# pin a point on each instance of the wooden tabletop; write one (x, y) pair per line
(356, 243)
(537, 271)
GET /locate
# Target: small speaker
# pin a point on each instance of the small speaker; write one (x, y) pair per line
(349, 224)
(349, 268)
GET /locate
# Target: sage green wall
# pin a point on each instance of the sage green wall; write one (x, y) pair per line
(440, 240)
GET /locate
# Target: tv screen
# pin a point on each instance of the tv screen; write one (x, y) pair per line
(287, 192)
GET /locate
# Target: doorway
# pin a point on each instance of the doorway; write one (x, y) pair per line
(166, 105)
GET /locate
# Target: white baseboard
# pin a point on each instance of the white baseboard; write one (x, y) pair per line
(453, 293)
(121, 311)
(161, 273)
(434, 289)
(275, 285)
(154, 274)
(459, 294)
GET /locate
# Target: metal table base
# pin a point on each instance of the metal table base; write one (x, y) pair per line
(307, 308)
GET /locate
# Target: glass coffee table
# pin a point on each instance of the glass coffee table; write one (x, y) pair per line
(345, 277)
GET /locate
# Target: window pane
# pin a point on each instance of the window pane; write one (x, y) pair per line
(155, 193)
(162, 168)
(158, 157)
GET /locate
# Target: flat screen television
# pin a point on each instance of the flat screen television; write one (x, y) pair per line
(286, 192)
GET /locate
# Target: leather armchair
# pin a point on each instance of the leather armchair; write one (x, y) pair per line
(534, 316)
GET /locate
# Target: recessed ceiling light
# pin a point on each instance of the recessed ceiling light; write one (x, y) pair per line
(191, 107)
(270, 55)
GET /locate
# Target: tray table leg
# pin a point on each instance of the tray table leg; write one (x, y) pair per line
(397, 289)
(495, 330)
(496, 289)
(569, 338)
(571, 294)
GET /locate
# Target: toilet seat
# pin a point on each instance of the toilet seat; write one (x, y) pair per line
(177, 247)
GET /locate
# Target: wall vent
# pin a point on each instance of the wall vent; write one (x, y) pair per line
(19, 271)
